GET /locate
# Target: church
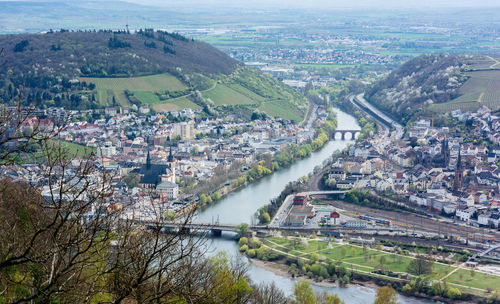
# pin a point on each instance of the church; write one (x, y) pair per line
(151, 175)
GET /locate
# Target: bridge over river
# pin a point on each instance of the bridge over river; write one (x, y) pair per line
(216, 229)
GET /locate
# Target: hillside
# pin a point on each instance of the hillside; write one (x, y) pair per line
(82, 70)
(437, 84)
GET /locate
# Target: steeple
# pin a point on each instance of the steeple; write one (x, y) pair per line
(148, 161)
(170, 156)
(459, 174)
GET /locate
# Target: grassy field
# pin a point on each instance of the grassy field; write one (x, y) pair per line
(225, 95)
(158, 82)
(474, 279)
(282, 109)
(109, 87)
(175, 104)
(72, 149)
(369, 259)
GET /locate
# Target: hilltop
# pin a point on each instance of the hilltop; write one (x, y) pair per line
(432, 84)
(95, 69)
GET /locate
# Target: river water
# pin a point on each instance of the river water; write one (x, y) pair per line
(240, 206)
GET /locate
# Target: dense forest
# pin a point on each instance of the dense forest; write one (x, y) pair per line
(420, 82)
(41, 67)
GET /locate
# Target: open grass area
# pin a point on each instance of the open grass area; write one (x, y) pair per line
(225, 95)
(107, 88)
(160, 82)
(282, 109)
(175, 104)
(71, 149)
(477, 280)
(369, 259)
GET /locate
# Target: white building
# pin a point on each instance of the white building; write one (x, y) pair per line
(168, 188)
(465, 214)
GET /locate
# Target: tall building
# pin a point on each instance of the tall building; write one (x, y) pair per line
(185, 129)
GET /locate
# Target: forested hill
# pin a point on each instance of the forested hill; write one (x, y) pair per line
(106, 53)
(418, 84)
(167, 71)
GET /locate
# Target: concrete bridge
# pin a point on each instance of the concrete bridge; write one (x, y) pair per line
(343, 133)
(217, 229)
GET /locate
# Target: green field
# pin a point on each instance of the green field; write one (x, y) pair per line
(282, 109)
(225, 95)
(71, 149)
(369, 259)
(160, 82)
(476, 280)
(107, 88)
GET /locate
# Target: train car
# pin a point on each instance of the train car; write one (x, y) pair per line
(374, 219)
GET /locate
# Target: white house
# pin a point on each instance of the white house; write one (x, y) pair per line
(465, 214)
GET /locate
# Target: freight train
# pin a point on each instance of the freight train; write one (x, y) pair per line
(374, 219)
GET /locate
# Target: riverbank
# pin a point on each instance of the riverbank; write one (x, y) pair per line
(325, 262)
(284, 159)
(281, 269)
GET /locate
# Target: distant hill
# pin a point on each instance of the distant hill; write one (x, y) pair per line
(81, 70)
(437, 84)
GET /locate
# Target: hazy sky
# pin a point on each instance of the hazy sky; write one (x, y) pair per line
(382, 4)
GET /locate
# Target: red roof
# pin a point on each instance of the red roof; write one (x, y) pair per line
(334, 214)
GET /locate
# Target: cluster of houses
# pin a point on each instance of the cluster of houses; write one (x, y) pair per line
(155, 152)
(433, 168)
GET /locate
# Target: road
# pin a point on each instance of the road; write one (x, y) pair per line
(382, 119)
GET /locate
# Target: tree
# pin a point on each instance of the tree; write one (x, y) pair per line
(382, 261)
(74, 243)
(420, 265)
(264, 218)
(242, 229)
(203, 198)
(453, 293)
(386, 295)
(131, 180)
(303, 293)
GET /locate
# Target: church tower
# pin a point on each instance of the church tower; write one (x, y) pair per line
(459, 174)
(171, 163)
(445, 151)
(148, 161)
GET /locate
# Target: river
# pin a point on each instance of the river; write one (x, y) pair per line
(241, 205)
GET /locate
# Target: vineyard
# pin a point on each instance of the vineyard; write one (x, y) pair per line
(482, 88)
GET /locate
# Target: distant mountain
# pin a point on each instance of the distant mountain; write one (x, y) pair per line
(93, 69)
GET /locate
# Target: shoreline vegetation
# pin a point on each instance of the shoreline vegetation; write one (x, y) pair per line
(284, 159)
